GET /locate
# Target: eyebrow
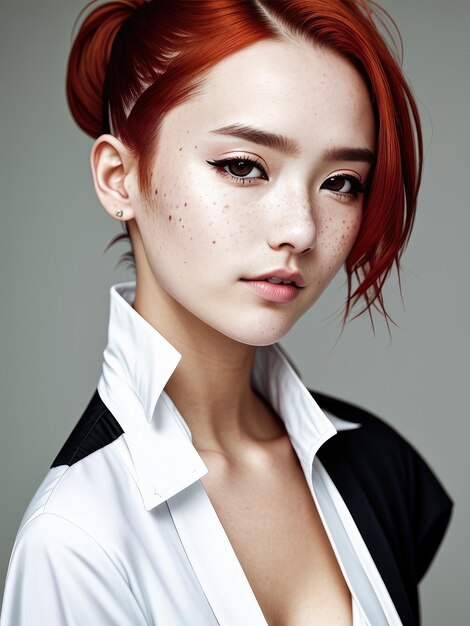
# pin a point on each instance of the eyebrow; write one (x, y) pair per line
(262, 137)
(289, 146)
(350, 154)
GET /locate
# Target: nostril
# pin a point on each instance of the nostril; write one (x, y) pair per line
(313, 244)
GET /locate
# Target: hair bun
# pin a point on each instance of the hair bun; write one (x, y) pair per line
(88, 62)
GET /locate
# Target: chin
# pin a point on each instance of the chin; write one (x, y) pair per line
(259, 328)
(258, 336)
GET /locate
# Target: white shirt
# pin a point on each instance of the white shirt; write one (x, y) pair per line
(128, 536)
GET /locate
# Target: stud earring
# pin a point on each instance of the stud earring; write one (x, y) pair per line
(119, 212)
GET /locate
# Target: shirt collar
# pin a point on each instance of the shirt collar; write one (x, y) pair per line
(138, 362)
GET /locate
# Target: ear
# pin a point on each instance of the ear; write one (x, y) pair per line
(111, 164)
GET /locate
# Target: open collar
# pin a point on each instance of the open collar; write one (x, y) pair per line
(138, 362)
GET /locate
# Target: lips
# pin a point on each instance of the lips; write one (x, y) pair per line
(273, 292)
(282, 274)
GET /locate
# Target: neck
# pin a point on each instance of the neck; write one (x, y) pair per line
(211, 387)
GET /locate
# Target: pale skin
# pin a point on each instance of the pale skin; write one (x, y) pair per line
(202, 233)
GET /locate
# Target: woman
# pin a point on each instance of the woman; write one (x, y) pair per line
(251, 148)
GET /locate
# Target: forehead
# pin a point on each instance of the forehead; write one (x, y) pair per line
(293, 88)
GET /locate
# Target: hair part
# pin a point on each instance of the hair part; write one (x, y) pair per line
(132, 61)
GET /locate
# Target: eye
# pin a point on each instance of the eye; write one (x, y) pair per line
(240, 169)
(344, 185)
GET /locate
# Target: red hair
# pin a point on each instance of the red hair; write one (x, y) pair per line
(133, 60)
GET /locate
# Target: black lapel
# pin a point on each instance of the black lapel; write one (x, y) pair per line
(333, 455)
(372, 486)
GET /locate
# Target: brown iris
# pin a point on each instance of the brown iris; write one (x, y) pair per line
(240, 168)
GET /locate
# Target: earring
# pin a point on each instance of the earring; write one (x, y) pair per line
(119, 213)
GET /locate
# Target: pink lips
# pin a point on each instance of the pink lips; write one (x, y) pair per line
(277, 292)
(272, 291)
(283, 274)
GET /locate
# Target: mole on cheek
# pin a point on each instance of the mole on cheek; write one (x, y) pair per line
(213, 242)
(169, 218)
(156, 191)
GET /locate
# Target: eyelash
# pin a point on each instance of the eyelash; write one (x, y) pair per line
(219, 165)
(356, 186)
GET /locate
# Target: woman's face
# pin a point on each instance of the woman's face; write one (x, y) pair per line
(231, 203)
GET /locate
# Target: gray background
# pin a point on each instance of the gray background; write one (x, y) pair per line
(55, 281)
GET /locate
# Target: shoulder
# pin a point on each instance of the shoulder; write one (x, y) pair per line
(382, 475)
(369, 438)
(88, 485)
(56, 571)
(67, 554)
(373, 444)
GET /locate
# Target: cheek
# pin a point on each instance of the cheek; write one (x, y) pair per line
(338, 233)
(183, 223)
(349, 231)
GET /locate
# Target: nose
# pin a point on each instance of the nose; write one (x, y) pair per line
(294, 226)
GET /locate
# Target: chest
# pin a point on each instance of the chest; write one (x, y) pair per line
(272, 522)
